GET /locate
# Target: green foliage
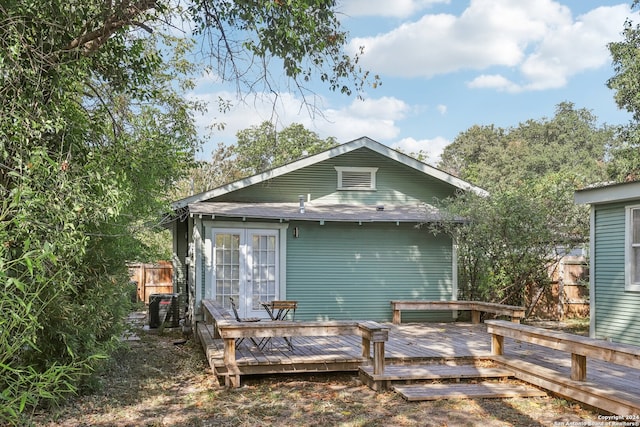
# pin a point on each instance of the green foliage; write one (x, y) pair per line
(259, 148)
(94, 130)
(570, 143)
(624, 164)
(626, 65)
(511, 238)
(305, 36)
(531, 171)
(625, 161)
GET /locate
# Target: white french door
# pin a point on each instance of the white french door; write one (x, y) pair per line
(246, 268)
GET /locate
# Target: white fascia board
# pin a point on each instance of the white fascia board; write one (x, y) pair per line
(424, 168)
(608, 194)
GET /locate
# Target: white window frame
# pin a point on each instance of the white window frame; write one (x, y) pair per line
(630, 267)
(370, 171)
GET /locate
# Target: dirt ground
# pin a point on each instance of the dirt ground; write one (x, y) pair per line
(161, 380)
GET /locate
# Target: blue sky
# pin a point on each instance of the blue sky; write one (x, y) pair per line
(447, 65)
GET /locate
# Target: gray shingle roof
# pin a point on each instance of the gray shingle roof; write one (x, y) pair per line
(319, 212)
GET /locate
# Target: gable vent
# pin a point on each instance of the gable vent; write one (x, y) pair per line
(356, 179)
(352, 178)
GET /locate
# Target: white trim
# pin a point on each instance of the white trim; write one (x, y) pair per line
(608, 194)
(592, 272)
(325, 155)
(206, 255)
(370, 171)
(454, 274)
(629, 268)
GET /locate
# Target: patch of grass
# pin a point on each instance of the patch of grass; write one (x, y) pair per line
(578, 326)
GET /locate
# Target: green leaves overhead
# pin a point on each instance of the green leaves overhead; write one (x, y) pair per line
(625, 54)
(303, 35)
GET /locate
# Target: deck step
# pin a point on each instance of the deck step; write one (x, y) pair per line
(485, 390)
(434, 372)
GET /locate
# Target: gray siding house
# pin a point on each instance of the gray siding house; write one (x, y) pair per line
(614, 261)
(337, 232)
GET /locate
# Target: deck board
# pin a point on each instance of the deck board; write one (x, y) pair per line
(466, 391)
(413, 343)
(437, 372)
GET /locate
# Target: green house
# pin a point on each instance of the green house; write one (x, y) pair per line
(614, 288)
(338, 231)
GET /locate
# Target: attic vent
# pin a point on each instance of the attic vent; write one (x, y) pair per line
(353, 178)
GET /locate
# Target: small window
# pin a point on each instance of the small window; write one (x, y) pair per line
(352, 178)
(632, 251)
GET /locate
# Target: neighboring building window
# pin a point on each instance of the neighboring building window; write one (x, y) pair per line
(352, 178)
(633, 248)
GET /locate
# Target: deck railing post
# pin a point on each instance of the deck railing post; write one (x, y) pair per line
(378, 358)
(475, 317)
(397, 316)
(373, 332)
(232, 378)
(229, 356)
(578, 367)
(497, 345)
(366, 348)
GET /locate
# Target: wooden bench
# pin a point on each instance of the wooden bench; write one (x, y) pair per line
(580, 348)
(476, 307)
(229, 330)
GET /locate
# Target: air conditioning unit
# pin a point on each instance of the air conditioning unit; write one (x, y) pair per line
(164, 308)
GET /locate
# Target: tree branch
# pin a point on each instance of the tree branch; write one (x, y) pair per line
(92, 40)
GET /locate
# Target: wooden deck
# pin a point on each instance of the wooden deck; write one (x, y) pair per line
(428, 343)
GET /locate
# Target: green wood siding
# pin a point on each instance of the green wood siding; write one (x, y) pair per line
(617, 312)
(347, 271)
(396, 184)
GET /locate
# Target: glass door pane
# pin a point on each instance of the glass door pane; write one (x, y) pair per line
(263, 267)
(227, 267)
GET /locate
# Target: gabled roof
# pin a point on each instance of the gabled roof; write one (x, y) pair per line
(611, 193)
(363, 142)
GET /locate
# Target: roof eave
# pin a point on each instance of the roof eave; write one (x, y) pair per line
(619, 192)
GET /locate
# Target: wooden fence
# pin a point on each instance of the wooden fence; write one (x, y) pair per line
(152, 279)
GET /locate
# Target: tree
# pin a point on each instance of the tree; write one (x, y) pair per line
(261, 147)
(531, 171)
(511, 237)
(570, 143)
(625, 162)
(470, 151)
(93, 131)
(258, 149)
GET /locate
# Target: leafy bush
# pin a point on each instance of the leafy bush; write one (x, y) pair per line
(509, 239)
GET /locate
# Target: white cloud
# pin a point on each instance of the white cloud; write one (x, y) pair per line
(376, 118)
(442, 109)
(395, 8)
(493, 81)
(432, 147)
(539, 40)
